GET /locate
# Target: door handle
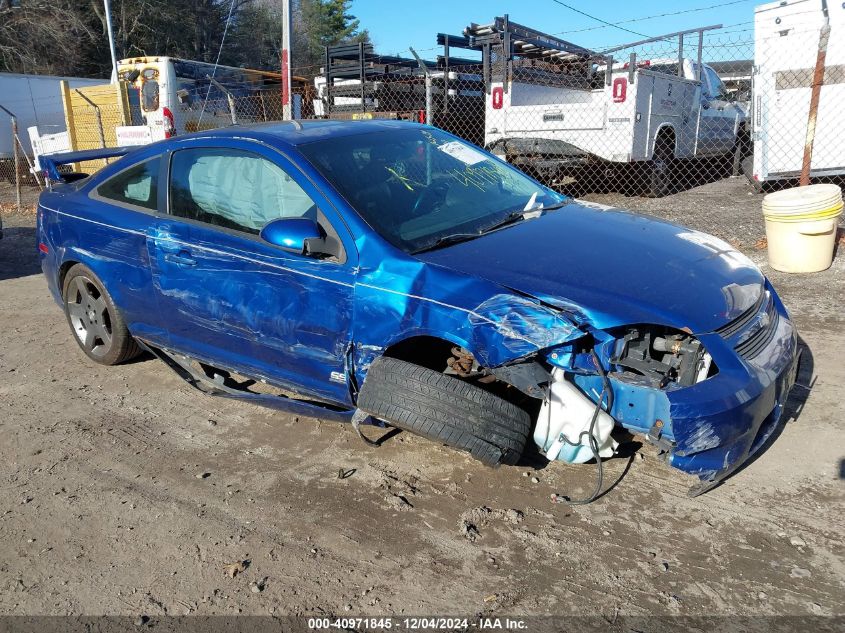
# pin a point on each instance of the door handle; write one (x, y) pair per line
(182, 258)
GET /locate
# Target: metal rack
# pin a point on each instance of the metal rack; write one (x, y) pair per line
(446, 92)
(510, 40)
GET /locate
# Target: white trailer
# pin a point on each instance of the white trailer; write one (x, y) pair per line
(786, 43)
(35, 100)
(552, 106)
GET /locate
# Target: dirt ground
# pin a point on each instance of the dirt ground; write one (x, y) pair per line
(123, 491)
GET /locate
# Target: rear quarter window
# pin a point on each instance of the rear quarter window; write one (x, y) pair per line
(135, 186)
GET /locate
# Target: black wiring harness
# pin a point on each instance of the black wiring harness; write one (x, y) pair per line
(607, 390)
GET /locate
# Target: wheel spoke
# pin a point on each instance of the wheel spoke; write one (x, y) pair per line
(78, 290)
(104, 334)
(90, 337)
(76, 310)
(100, 306)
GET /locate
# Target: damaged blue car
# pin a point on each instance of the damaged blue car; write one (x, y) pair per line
(382, 272)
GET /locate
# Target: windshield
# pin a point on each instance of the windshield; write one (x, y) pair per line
(417, 186)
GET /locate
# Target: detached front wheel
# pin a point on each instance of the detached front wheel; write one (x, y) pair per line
(94, 320)
(445, 409)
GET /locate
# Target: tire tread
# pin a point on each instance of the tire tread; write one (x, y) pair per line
(445, 409)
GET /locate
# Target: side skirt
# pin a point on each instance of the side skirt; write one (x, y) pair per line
(216, 386)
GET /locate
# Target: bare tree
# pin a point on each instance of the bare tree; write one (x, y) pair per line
(45, 36)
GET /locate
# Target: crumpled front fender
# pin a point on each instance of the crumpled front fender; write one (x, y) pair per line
(395, 302)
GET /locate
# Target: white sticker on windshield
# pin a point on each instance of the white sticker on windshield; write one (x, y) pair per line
(463, 153)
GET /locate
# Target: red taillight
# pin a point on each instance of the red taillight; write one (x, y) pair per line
(43, 248)
(169, 123)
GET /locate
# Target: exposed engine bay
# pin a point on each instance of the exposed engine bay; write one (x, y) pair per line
(575, 420)
(662, 356)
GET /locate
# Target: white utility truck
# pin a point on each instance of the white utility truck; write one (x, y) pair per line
(552, 107)
(786, 45)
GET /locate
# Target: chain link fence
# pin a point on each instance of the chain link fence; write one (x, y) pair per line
(643, 120)
(650, 118)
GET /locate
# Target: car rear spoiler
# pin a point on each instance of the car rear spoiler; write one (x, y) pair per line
(50, 162)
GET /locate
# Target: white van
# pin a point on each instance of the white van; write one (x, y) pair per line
(178, 95)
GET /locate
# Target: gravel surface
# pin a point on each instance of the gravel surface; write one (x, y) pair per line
(125, 492)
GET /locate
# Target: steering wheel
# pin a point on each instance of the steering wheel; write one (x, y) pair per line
(435, 193)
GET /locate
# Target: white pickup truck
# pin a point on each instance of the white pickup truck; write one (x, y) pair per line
(556, 121)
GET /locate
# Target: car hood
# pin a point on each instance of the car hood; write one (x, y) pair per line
(612, 267)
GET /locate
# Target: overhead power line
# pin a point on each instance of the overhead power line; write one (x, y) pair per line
(217, 61)
(682, 11)
(653, 17)
(605, 22)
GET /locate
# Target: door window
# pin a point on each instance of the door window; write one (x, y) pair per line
(717, 86)
(149, 95)
(234, 189)
(137, 186)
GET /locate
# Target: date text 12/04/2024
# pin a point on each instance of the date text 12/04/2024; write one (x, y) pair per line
(417, 624)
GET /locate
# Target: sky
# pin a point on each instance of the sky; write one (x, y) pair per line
(396, 24)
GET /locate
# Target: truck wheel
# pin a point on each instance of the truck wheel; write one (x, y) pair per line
(747, 165)
(736, 159)
(742, 148)
(661, 172)
(445, 409)
(95, 322)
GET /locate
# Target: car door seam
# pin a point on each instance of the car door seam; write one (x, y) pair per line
(237, 254)
(211, 250)
(298, 272)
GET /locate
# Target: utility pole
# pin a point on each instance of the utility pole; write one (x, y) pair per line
(287, 26)
(815, 94)
(111, 42)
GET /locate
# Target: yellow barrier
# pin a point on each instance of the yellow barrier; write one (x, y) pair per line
(91, 115)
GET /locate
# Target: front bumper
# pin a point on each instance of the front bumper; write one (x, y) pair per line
(719, 424)
(715, 464)
(712, 428)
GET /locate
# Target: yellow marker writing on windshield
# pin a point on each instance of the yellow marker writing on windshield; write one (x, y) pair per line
(403, 179)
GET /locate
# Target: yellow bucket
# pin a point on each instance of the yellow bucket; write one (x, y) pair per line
(801, 227)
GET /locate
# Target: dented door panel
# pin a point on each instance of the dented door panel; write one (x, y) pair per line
(248, 305)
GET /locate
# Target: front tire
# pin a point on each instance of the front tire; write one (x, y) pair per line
(97, 326)
(446, 410)
(747, 166)
(661, 170)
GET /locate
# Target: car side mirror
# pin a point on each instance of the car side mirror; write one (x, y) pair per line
(296, 235)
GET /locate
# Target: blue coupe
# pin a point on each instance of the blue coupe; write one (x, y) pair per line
(390, 273)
